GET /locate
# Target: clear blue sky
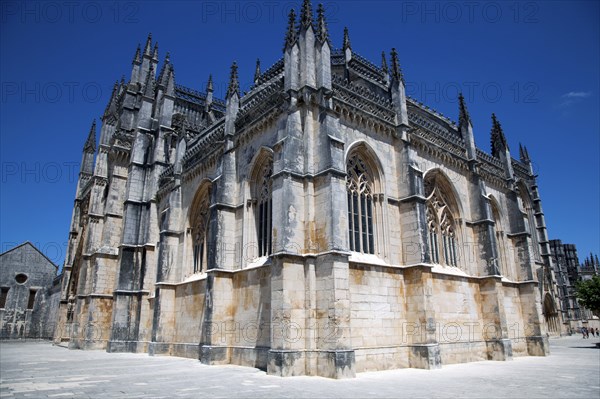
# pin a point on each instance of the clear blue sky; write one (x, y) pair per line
(535, 64)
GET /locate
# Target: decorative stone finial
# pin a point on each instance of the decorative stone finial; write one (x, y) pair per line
(209, 85)
(149, 84)
(155, 52)
(257, 71)
(234, 85)
(137, 58)
(346, 44)
(464, 119)
(396, 70)
(90, 143)
(384, 65)
(306, 15)
(291, 35)
(322, 31)
(148, 47)
(498, 140)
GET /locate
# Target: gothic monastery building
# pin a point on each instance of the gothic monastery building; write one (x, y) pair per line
(323, 223)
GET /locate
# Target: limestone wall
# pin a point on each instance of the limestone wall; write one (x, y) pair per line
(514, 319)
(188, 317)
(460, 326)
(378, 317)
(250, 333)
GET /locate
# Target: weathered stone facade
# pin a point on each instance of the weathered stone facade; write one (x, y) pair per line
(29, 293)
(323, 223)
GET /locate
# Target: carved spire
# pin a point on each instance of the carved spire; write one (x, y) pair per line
(137, 58)
(257, 72)
(163, 76)
(148, 47)
(155, 52)
(291, 35)
(464, 119)
(396, 70)
(113, 98)
(209, 85)
(524, 154)
(384, 65)
(149, 83)
(209, 94)
(322, 31)
(346, 45)
(306, 16)
(521, 153)
(234, 85)
(497, 137)
(90, 143)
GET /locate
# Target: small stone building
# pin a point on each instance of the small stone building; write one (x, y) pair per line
(29, 293)
(323, 223)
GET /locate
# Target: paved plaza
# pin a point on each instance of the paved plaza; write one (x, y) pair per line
(37, 369)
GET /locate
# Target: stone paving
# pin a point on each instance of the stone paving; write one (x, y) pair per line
(34, 369)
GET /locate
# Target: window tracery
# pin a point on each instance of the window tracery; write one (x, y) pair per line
(443, 247)
(359, 187)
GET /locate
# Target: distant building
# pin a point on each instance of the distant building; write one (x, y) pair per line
(29, 293)
(568, 271)
(589, 268)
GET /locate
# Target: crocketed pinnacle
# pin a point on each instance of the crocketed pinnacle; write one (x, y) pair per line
(346, 44)
(498, 140)
(155, 52)
(149, 83)
(291, 34)
(165, 70)
(209, 85)
(257, 71)
(306, 15)
(90, 143)
(396, 70)
(464, 119)
(322, 31)
(384, 65)
(113, 98)
(148, 47)
(234, 85)
(137, 58)
(523, 153)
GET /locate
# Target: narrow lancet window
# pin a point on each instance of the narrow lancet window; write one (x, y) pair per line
(265, 210)
(200, 223)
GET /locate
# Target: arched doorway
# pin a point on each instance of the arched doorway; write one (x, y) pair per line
(551, 315)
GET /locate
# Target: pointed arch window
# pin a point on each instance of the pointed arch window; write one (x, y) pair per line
(199, 232)
(359, 187)
(443, 248)
(264, 209)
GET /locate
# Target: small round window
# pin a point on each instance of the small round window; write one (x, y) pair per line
(21, 278)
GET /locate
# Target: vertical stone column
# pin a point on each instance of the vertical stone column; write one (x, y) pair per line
(420, 331)
(219, 331)
(335, 354)
(288, 314)
(495, 327)
(531, 309)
